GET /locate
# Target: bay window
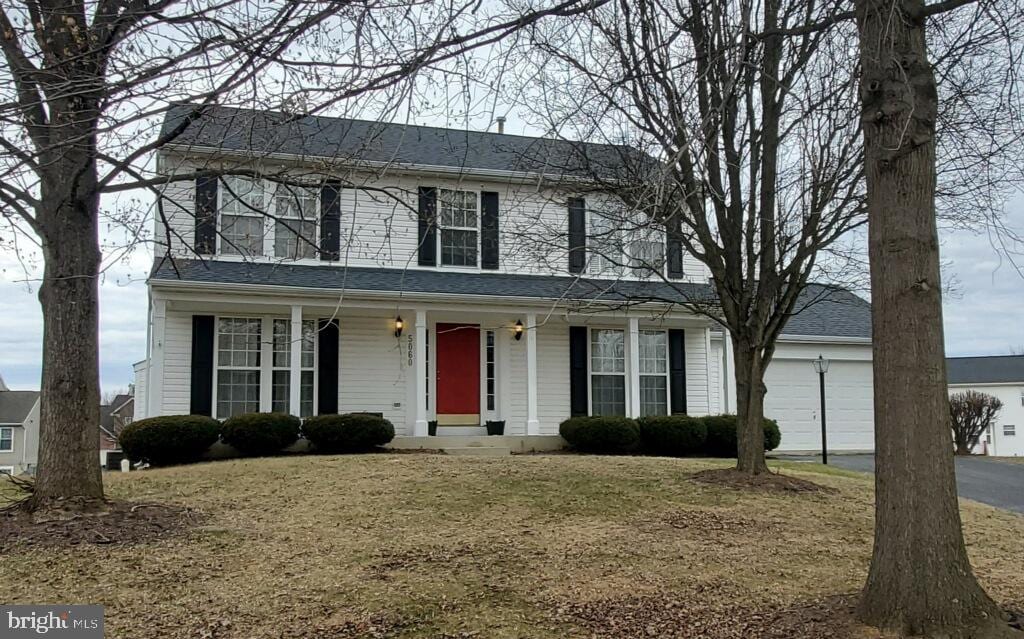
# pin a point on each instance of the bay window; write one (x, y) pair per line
(281, 367)
(459, 225)
(238, 366)
(608, 372)
(653, 373)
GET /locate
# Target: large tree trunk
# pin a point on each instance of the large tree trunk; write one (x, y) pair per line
(750, 392)
(69, 477)
(920, 580)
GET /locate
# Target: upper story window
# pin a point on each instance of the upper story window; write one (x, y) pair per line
(459, 223)
(296, 209)
(647, 252)
(605, 241)
(1009, 430)
(242, 220)
(263, 218)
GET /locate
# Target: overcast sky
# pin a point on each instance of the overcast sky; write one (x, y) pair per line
(983, 317)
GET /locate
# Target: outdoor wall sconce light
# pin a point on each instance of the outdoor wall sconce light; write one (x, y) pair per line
(519, 330)
(399, 325)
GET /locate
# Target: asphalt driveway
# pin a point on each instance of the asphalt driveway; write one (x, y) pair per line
(990, 481)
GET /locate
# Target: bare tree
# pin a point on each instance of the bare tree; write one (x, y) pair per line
(84, 83)
(745, 147)
(972, 413)
(920, 581)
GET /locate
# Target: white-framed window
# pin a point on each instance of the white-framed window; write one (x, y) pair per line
(6, 439)
(647, 253)
(297, 209)
(281, 367)
(242, 221)
(653, 373)
(607, 372)
(1009, 430)
(238, 365)
(490, 370)
(604, 240)
(459, 224)
(260, 217)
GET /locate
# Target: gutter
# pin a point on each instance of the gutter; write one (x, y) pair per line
(412, 296)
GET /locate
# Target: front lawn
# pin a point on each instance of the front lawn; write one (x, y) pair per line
(529, 546)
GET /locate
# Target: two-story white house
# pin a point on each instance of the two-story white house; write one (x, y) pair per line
(432, 275)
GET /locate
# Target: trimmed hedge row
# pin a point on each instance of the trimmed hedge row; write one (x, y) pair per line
(182, 439)
(667, 436)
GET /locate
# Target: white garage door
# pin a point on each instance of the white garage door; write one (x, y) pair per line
(793, 400)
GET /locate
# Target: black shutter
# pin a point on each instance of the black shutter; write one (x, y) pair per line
(330, 221)
(201, 400)
(579, 401)
(677, 370)
(577, 234)
(428, 226)
(489, 230)
(205, 241)
(674, 251)
(327, 368)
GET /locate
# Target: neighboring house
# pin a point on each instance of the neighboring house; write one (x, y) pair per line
(19, 430)
(1003, 377)
(114, 417)
(444, 301)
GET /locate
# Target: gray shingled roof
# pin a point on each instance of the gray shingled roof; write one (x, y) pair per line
(262, 132)
(997, 369)
(822, 311)
(16, 405)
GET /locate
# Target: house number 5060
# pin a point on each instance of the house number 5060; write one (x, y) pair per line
(411, 351)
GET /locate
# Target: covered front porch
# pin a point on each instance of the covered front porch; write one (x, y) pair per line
(457, 362)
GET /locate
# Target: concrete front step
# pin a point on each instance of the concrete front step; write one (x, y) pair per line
(479, 451)
(515, 443)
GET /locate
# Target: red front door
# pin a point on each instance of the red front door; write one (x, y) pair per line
(458, 374)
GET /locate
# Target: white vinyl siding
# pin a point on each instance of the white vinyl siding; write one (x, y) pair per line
(373, 369)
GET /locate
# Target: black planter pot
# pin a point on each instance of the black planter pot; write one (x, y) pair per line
(432, 428)
(496, 428)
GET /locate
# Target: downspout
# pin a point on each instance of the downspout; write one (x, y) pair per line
(149, 357)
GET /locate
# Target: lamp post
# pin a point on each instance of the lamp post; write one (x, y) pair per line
(821, 366)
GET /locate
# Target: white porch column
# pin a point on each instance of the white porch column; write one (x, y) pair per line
(420, 375)
(633, 369)
(729, 373)
(707, 366)
(532, 422)
(155, 381)
(295, 363)
(267, 359)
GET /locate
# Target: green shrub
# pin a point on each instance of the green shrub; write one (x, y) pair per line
(601, 434)
(772, 434)
(672, 435)
(260, 434)
(353, 432)
(721, 440)
(170, 439)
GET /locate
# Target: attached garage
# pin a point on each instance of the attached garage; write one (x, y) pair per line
(835, 324)
(793, 397)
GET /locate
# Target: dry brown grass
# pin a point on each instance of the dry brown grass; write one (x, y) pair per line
(533, 546)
